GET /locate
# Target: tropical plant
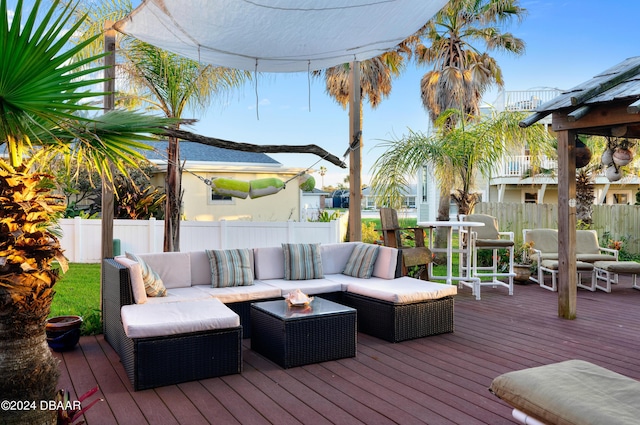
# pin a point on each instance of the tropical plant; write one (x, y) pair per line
(161, 81)
(171, 83)
(44, 108)
(461, 72)
(457, 155)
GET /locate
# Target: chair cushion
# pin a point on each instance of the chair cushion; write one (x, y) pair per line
(490, 228)
(302, 261)
(230, 267)
(403, 290)
(571, 392)
(544, 240)
(500, 243)
(587, 242)
(149, 320)
(618, 266)
(153, 285)
(174, 268)
(554, 264)
(335, 256)
(135, 275)
(592, 258)
(361, 261)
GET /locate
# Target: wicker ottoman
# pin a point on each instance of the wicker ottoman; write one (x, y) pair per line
(168, 343)
(608, 271)
(295, 336)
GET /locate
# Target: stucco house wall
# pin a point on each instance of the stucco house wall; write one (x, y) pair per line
(207, 162)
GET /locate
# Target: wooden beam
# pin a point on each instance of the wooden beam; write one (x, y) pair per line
(605, 85)
(567, 269)
(578, 113)
(532, 119)
(109, 103)
(634, 108)
(355, 156)
(599, 116)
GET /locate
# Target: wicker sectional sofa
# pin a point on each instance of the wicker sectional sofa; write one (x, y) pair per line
(196, 330)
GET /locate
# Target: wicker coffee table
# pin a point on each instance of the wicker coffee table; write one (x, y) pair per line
(295, 336)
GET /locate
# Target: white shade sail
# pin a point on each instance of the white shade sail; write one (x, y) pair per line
(278, 35)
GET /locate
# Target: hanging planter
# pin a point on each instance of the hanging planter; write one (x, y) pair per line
(583, 154)
(613, 174)
(607, 158)
(622, 156)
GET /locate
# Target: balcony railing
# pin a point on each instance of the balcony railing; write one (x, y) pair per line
(520, 165)
(528, 100)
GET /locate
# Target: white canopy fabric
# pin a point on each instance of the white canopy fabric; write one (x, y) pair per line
(278, 35)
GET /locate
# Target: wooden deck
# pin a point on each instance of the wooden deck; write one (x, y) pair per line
(440, 379)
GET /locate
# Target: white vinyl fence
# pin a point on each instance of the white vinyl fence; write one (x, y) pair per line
(81, 239)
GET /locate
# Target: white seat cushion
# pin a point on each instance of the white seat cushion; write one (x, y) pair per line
(179, 294)
(309, 287)
(234, 294)
(402, 290)
(149, 320)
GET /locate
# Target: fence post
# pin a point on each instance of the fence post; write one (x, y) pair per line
(224, 229)
(77, 239)
(151, 237)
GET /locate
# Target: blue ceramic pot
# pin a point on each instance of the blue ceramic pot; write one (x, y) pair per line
(63, 332)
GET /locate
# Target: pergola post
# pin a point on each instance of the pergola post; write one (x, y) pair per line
(355, 155)
(567, 269)
(109, 104)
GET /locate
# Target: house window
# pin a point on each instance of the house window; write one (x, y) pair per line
(220, 199)
(622, 197)
(530, 198)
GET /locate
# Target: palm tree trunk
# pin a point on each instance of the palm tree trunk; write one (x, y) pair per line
(173, 200)
(28, 370)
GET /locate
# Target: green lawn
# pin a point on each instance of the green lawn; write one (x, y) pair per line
(78, 293)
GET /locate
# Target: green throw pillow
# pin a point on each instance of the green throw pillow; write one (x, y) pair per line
(153, 285)
(362, 260)
(230, 267)
(302, 261)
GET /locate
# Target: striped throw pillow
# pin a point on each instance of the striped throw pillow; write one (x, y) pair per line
(230, 267)
(302, 261)
(153, 285)
(362, 260)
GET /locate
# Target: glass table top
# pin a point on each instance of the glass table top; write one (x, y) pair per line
(317, 307)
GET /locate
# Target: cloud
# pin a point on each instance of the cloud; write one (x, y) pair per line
(263, 102)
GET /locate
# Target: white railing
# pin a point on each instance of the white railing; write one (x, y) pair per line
(81, 239)
(528, 100)
(519, 165)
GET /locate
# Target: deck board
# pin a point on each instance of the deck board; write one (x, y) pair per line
(440, 379)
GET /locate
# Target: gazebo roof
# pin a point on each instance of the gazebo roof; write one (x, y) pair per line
(606, 105)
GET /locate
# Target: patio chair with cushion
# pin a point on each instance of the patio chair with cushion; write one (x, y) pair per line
(545, 255)
(487, 237)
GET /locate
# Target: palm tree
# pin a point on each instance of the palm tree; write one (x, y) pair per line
(461, 73)
(458, 155)
(44, 109)
(171, 83)
(165, 82)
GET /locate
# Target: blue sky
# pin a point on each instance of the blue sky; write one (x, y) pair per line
(568, 42)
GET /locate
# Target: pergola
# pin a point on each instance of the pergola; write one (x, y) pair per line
(286, 36)
(607, 105)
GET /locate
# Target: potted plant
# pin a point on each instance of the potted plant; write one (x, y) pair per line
(522, 262)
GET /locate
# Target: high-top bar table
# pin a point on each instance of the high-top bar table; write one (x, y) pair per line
(449, 249)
